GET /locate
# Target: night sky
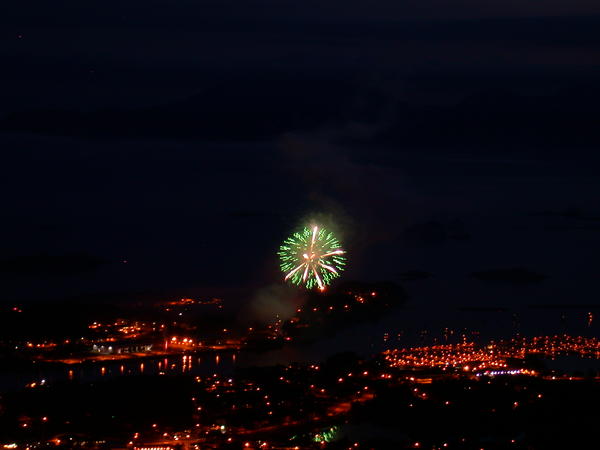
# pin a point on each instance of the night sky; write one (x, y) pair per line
(189, 138)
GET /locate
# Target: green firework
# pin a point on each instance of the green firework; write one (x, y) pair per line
(312, 257)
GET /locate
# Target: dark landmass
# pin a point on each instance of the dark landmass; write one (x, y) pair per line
(70, 319)
(324, 314)
(355, 400)
(52, 320)
(502, 390)
(75, 331)
(493, 419)
(121, 405)
(513, 275)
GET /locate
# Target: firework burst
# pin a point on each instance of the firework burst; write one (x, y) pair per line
(312, 257)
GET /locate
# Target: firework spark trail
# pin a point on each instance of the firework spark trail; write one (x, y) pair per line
(294, 271)
(319, 282)
(337, 252)
(331, 269)
(305, 272)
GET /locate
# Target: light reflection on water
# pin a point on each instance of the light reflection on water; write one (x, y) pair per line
(91, 371)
